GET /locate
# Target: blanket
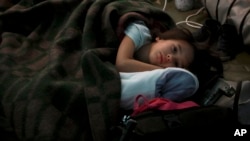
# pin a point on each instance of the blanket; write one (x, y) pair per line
(58, 80)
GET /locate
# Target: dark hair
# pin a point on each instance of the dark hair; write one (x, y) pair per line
(176, 33)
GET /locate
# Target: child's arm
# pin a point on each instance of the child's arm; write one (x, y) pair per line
(125, 61)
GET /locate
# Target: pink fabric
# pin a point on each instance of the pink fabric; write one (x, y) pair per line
(159, 103)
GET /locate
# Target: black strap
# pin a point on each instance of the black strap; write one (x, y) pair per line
(236, 102)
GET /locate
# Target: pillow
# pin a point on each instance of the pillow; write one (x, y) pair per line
(175, 84)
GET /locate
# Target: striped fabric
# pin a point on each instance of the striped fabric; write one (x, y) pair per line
(57, 78)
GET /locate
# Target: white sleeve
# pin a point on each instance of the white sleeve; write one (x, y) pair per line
(139, 33)
(135, 83)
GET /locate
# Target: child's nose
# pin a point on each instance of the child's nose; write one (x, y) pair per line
(169, 58)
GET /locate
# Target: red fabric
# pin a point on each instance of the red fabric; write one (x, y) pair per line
(159, 104)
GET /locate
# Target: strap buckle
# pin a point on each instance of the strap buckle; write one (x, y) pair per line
(220, 88)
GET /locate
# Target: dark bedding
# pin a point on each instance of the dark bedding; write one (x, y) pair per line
(57, 77)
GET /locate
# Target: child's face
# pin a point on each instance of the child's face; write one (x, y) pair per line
(171, 53)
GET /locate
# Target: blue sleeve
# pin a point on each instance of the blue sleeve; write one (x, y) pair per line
(139, 33)
(176, 84)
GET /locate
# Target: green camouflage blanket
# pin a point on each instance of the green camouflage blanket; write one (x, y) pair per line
(57, 76)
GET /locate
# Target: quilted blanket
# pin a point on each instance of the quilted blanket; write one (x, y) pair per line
(58, 81)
